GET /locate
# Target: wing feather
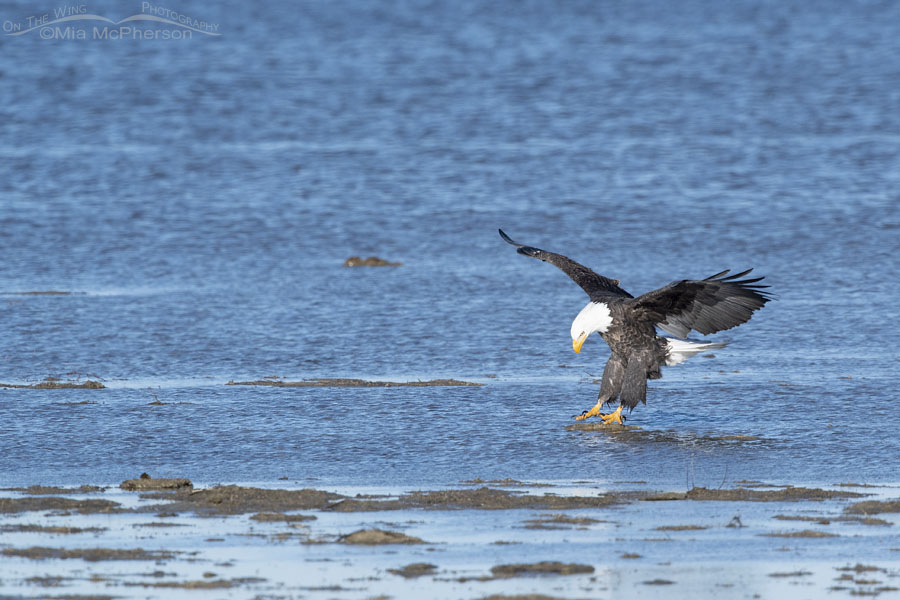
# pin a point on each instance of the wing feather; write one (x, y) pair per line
(597, 286)
(716, 303)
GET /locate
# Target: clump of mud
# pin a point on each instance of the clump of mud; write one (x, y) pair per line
(874, 507)
(681, 528)
(14, 505)
(56, 385)
(88, 554)
(558, 521)
(325, 382)
(233, 499)
(372, 261)
(860, 568)
(806, 533)
(787, 494)
(504, 482)
(414, 570)
(281, 517)
(521, 597)
(486, 498)
(809, 519)
(864, 520)
(146, 483)
(378, 537)
(51, 529)
(540, 568)
(200, 584)
(45, 490)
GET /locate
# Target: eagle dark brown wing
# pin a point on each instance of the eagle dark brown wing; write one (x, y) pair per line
(714, 304)
(598, 287)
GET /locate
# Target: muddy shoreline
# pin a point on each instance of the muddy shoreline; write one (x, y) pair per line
(426, 535)
(179, 495)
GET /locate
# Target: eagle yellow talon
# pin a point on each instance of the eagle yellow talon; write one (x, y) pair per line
(614, 417)
(590, 413)
(608, 419)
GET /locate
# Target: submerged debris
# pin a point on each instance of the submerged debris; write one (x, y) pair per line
(325, 382)
(43, 293)
(88, 554)
(414, 570)
(200, 584)
(504, 482)
(611, 427)
(558, 521)
(540, 568)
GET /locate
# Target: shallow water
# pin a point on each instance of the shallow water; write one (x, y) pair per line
(199, 198)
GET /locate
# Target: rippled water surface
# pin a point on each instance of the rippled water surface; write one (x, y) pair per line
(198, 199)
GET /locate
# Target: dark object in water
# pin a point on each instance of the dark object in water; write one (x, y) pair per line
(355, 383)
(372, 261)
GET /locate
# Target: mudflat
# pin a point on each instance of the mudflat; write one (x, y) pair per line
(533, 536)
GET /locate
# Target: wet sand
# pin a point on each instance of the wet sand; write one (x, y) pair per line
(521, 539)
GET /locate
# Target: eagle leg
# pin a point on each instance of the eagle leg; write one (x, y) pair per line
(610, 386)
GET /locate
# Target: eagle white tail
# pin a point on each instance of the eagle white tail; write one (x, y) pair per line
(678, 351)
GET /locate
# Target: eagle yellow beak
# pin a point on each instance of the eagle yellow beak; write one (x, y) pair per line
(578, 342)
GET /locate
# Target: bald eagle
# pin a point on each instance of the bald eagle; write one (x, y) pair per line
(629, 324)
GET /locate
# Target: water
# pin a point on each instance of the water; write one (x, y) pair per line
(199, 197)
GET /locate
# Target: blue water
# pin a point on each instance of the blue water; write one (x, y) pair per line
(198, 198)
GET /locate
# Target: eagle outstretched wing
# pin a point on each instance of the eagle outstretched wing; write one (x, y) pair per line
(713, 304)
(597, 286)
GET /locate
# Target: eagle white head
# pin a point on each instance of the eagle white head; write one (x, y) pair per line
(595, 317)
